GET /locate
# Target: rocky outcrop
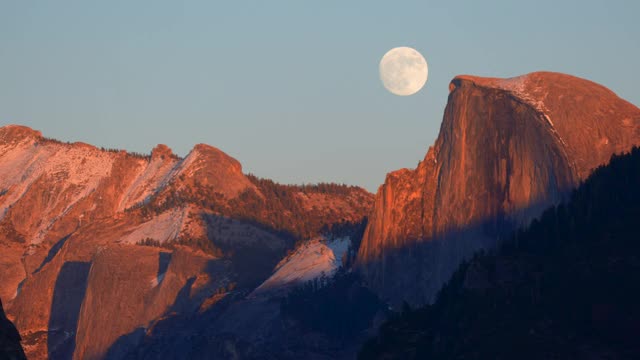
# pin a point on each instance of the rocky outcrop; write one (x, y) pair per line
(10, 347)
(98, 244)
(313, 259)
(507, 149)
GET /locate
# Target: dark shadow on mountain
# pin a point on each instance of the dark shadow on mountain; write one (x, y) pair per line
(415, 273)
(164, 258)
(68, 295)
(228, 233)
(253, 248)
(10, 347)
(52, 252)
(125, 346)
(217, 321)
(565, 286)
(183, 298)
(256, 328)
(253, 266)
(179, 334)
(339, 307)
(19, 287)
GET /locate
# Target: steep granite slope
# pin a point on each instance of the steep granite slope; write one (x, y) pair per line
(564, 287)
(507, 149)
(87, 233)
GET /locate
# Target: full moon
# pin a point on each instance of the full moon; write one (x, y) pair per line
(403, 71)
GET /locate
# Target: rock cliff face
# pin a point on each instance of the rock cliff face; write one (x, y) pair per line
(98, 244)
(10, 347)
(507, 149)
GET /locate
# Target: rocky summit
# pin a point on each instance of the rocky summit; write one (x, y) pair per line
(507, 149)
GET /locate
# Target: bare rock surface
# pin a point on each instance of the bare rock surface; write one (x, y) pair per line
(98, 244)
(507, 149)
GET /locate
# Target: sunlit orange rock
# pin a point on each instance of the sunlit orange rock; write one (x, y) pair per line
(507, 149)
(98, 244)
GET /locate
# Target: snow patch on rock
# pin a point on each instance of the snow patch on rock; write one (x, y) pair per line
(163, 228)
(522, 87)
(149, 179)
(311, 260)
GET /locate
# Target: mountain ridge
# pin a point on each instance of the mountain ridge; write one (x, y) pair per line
(198, 220)
(190, 237)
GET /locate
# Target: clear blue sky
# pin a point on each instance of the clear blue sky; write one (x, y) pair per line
(289, 88)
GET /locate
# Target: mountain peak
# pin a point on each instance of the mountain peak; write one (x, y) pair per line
(207, 149)
(582, 114)
(507, 149)
(11, 133)
(213, 155)
(161, 151)
(209, 166)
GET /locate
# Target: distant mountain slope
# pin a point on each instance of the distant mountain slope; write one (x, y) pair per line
(87, 233)
(566, 287)
(507, 149)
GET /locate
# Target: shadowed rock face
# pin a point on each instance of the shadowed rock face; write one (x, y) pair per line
(10, 347)
(97, 244)
(507, 149)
